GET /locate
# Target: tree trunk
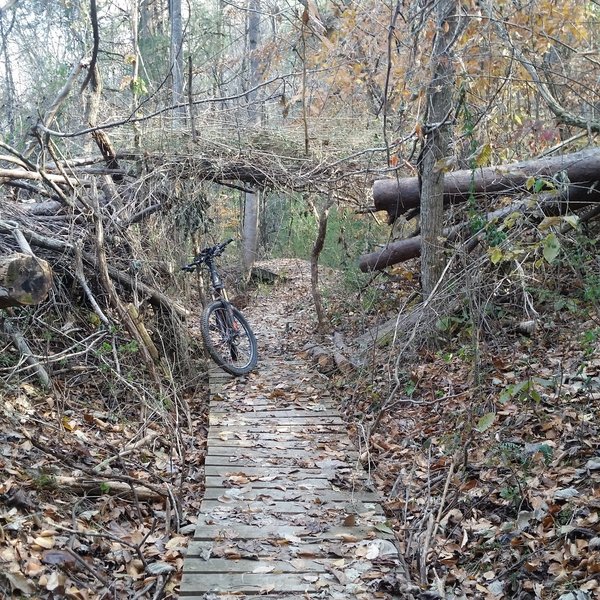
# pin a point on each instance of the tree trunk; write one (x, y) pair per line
(250, 232)
(580, 169)
(393, 253)
(321, 217)
(251, 201)
(177, 58)
(24, 280)
(438, 131)
(9, 84)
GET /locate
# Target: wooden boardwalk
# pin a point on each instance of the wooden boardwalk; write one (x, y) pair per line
(287, 512)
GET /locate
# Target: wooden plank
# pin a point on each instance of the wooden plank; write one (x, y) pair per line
(283, 596)
(287, 481)
(277, 417)
(261, 426)
(295, 473)
(220, 406)
(312, 521)
(279, 436)
(302, 507)
(250, 583)
(293, 400)
(252, 493)
(280, 455)
(228, 456)
(289, 549)
(224, 565)
(238, 531)
(299, 443)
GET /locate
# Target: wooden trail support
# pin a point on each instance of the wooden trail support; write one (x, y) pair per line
(287, 511)
(566, 182)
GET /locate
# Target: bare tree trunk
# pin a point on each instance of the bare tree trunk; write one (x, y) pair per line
(322, 217)
(9, 85)
(250, 232)
(438, 130)
(177, 58)
(135, 69)
(252, 201)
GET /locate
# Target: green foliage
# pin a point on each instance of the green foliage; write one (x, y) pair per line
(485, 422)
(293, 228)
(512, 494)
(45, 481)
(524, 391)
(590, 341)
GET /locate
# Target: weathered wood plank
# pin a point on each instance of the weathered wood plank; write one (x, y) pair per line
(219, 406)
(262, 426)
(302, 507)
(238, 531)
(299, 443)
(220, 455)
(248, 583)
(252, 493)
(294, 473)
(290, 549)
(286, 481)
(292, 455)
(224, 565)
(289, 434)
(282, 596)
(276, 418)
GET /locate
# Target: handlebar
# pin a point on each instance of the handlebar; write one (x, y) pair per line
(206, 254)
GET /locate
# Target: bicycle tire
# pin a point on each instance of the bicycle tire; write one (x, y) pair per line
(235, 352)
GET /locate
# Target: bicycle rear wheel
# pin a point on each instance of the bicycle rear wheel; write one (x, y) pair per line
(229, 340)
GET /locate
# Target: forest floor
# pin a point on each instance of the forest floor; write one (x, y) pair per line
(488, 460)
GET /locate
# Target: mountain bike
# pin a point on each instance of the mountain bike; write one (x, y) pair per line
(227, 336)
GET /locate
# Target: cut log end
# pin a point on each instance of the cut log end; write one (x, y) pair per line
(24, 280)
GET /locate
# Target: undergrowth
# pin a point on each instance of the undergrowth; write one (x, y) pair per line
(479, 417)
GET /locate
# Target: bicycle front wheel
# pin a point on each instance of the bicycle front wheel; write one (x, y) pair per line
(228, 338)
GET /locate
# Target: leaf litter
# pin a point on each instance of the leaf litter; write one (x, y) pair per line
(497, 504)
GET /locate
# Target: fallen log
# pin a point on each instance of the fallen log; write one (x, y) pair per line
(393, 253)
(102, 486)
(402, 250)
(579, 171)
(11, 174)
(24, 280)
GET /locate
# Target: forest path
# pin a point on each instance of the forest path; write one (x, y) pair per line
(288, 511)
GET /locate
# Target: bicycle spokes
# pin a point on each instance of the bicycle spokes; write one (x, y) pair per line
(230, 340)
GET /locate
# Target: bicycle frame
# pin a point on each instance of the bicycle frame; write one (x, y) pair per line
(216, 283)
(236, 340)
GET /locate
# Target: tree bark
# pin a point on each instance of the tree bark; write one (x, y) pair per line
(24, 280)
(393, 253)
(251, 200)
(438, 130)
(577, 172)
(321, 216)
(250, 232)
(177, 58)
